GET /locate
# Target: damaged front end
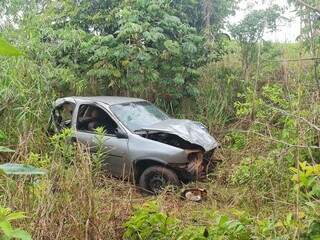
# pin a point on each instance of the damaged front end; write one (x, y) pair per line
(198, 166)
(190, 136)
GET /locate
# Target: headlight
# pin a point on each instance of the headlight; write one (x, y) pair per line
(202, 126)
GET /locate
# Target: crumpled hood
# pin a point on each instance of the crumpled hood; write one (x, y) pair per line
(191, 131)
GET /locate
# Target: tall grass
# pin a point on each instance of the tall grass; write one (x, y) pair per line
(219, 87)
(74, 201)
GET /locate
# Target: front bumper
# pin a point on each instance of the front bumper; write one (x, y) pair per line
(197, 168)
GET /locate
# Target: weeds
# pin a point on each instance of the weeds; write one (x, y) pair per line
(7, 230)
(73, 201)
(150, 221)
(274, 117)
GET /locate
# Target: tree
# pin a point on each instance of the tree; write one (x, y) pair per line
(143, 48)
(309, 11)
(308, 5)
(13, 12)
(250, 31)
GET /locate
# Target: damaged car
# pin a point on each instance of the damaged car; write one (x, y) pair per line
(144, 144)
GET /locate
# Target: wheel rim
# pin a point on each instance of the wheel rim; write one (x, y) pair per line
(157, 183)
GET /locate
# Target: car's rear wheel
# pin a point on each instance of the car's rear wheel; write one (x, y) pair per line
(155, 178)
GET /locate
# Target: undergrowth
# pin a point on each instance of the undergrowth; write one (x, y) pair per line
(266, 185)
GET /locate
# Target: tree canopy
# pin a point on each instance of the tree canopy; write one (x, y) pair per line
(146, 48)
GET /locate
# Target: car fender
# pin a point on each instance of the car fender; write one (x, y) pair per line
(151, 159)
(141, 148)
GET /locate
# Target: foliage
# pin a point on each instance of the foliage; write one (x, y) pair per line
(260, 174)
(237, 140)
(209, 17)
(309, 30)
(63, 147)
(7, 230)
(308, 10)
(250, 31)
(150, 223)
(307, 180)
(38, 160)
(223, 227)
(27, 89)
(174, 53)
(272, 96)
(206, 14)
(101, 153)
(5, 150)
(307, 184)
(217, 109)
(144, 48)
(278, 113)
(236, 224)
(7, 50)
(152, 48)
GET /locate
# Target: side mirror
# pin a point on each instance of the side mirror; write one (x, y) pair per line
(121, 134)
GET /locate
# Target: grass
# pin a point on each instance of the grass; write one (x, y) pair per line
(75, 202)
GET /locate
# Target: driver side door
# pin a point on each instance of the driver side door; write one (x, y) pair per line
(116, 148)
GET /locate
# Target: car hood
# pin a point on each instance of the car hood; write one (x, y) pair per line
(191, 131)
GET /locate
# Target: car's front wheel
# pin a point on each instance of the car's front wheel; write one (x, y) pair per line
(155, 178)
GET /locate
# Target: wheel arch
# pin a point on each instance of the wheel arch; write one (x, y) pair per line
(140, 165)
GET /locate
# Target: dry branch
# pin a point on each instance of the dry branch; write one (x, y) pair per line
(296, 116)
(309, 6)
(270, 138)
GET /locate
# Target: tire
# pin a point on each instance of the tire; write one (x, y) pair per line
(155, 178)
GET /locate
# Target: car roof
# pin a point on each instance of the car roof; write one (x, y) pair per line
(110, 100)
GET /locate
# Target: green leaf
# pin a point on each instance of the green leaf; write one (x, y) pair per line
(21, 169)
(172, 46)
(179, 79)
(15, 216)
(222, 220)
(189, 47)
(5, 149)
(6, 227)
(21, 234)
(6, 49)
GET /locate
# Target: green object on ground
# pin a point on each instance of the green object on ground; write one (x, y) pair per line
(21, 169)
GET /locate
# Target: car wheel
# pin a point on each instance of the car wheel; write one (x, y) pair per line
(155, 178)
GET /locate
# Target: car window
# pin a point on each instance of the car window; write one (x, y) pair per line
(91, 117)
(137, 115)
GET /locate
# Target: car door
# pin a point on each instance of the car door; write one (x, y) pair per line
(116, 148)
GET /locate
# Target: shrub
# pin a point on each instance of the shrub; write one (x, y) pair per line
(237, 140)
(7, 231)
(148, 222)
(263, 174)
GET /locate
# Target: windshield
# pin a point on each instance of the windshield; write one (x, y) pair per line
(137, 115)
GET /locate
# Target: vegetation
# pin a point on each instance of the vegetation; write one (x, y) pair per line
(260, 99)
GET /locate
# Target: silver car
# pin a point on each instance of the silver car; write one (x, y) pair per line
(144, 144)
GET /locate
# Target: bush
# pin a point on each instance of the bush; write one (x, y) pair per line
(265, 175)
(148, 222)
(237, 140)
(7, 231)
